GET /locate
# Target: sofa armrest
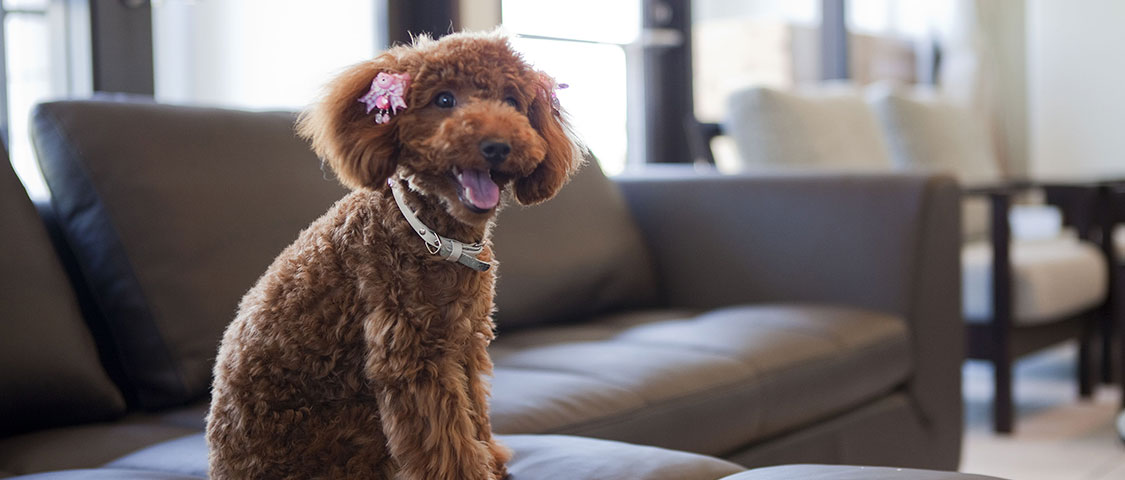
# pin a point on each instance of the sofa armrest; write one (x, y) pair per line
(889, 243)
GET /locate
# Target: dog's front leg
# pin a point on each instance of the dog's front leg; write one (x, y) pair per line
(429, 427)
(478, 366)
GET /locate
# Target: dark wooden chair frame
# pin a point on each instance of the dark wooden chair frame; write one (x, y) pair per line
(1001, 341)
(1113, 214)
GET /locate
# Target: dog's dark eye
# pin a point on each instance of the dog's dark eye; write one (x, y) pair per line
(445, 100)
(513, 102)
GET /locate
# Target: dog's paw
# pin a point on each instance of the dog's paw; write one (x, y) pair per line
(499, 472)
(500, 453)
(500, 457)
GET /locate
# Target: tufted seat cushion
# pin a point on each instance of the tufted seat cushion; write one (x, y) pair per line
(1051, 277)
(773, 368)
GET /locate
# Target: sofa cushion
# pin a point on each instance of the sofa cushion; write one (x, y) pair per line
(535, 457)
(824, 129)
(83, 446)
(50, 373)
(1051, 278)
(537, 248)
(709, 383)
(172, 213)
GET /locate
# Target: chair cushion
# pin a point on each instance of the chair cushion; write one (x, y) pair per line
(1119, 241)
(172, 213)
(535, 457)
(536, 248)
(709, 383)
(1051, 278)
(830, 128)
(50, 373)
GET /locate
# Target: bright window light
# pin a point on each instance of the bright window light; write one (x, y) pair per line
(595, 97)
(29, 82)
(258, 54)
(604, 21)
(585, 49)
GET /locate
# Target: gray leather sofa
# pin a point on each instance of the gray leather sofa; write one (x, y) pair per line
(761, 320)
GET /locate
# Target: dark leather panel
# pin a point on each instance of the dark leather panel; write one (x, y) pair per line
(536, 457)
(575, 255)
(768, 369)
(173, 226)
(50, 374)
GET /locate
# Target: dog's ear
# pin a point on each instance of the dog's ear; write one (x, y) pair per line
(563, 154)
(345, 135)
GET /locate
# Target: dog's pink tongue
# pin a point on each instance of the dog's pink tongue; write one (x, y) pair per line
(480, 190)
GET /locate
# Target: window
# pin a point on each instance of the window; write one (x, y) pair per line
(35, 67)
(758, 42)
(257, 54)
(736, 44)
(584, 44)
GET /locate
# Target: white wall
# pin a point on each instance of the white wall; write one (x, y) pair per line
(1076, 87)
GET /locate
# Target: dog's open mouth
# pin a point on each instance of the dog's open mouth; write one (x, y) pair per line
(478, 191)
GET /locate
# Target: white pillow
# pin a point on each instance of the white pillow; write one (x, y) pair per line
(825, 129)
(925, 132)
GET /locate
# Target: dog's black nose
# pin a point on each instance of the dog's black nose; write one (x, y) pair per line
(494, 151)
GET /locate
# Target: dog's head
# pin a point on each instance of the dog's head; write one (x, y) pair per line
(478, 121)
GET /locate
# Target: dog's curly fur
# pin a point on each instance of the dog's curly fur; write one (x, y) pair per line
(358, 354)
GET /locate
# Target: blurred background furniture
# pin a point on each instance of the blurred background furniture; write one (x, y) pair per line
(1021, 292)
(682, 311)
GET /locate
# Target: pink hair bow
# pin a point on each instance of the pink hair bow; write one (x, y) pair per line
(386, 94)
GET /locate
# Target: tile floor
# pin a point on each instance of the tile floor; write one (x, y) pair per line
(1057, 436)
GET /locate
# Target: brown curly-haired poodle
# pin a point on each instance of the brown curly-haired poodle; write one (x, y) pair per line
(360, 353)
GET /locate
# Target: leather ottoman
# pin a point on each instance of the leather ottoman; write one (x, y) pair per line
(536, 457)
(844, 472)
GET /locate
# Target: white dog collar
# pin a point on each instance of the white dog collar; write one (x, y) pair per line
(447, 248)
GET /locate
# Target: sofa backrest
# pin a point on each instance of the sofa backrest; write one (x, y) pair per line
(575, 255)
(172, 213)
(50, 373)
